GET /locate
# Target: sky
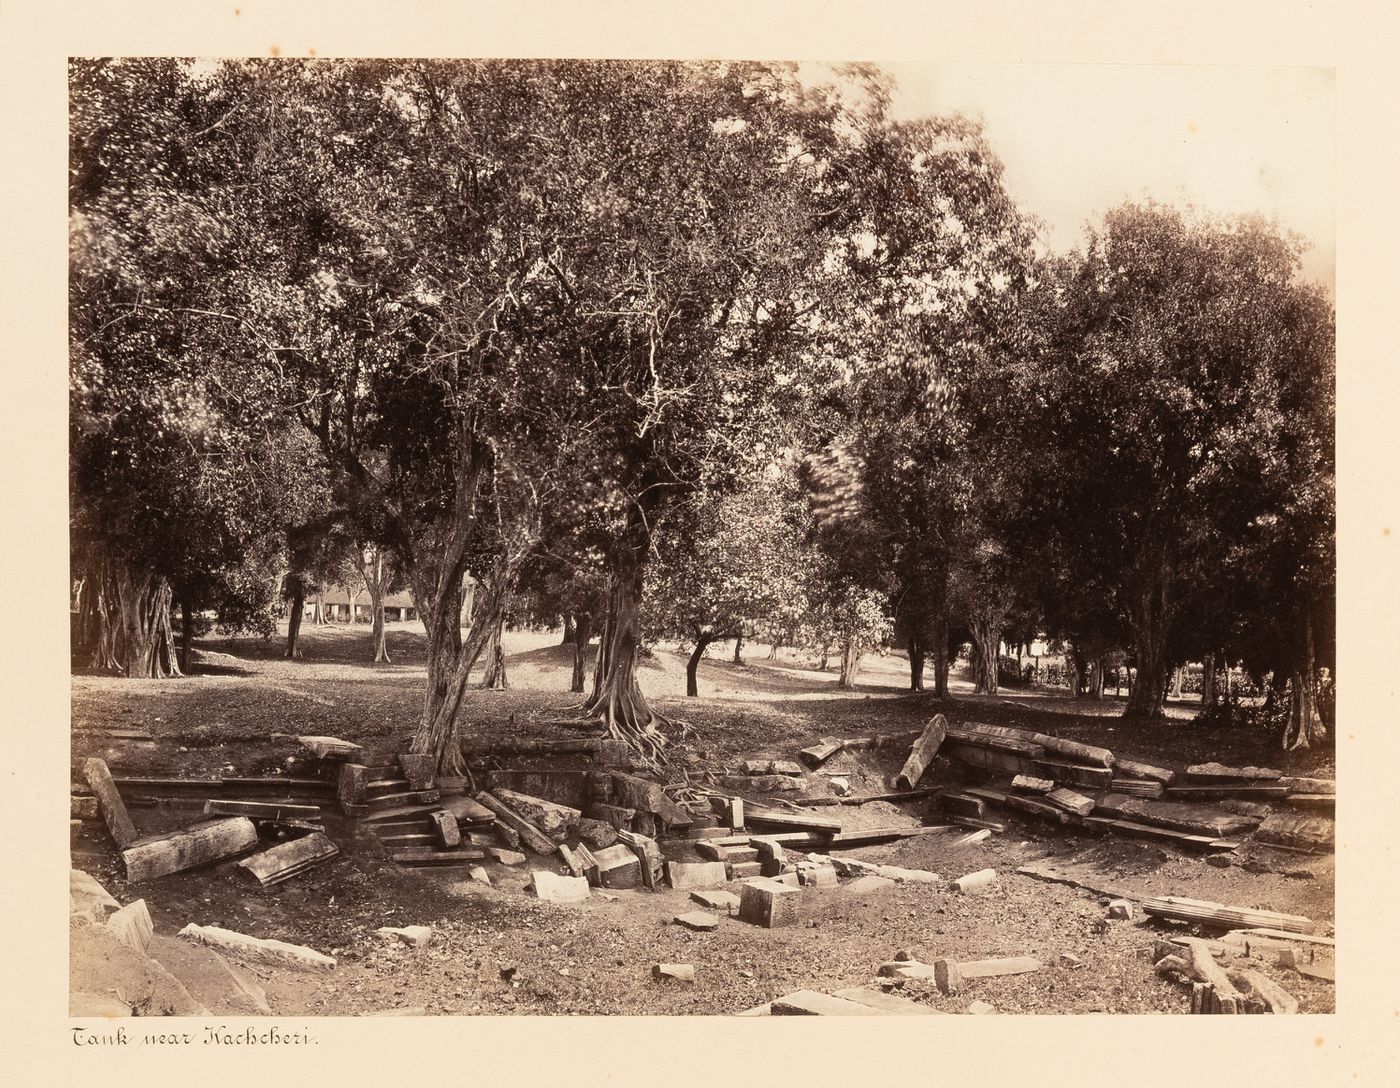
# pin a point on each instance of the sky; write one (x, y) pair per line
(1077, 140)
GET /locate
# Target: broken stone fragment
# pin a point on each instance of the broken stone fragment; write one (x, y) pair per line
(559, 889)
(900, 971)
(678, 972)
(648, 854)
(618, 867)
(716, 900)
(763, 783)
(554, 820)
(420, 770)
(698, 920)
(596, 833)
(768, 903)
(908, 876)
(972, 882)
(505, 857)
(817, 876)
(84, 807)
(863, 885)
(947, 976)
(257, 948)
(848, 866)
(480, 875)
(981, 1008)
(1209, 772)
(1120, 908)
(132, 926)
(616, 816)
(415, 936)
(88, 898)
(331, 748)
(699, 874)
(812, 1003)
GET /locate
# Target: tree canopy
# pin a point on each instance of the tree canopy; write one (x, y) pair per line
(563, 330)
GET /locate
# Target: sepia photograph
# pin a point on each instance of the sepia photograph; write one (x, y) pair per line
(740, 537)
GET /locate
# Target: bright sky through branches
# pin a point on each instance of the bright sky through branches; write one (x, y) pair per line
(1079, 139)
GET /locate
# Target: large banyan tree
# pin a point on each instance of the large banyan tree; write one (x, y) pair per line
(181, 469)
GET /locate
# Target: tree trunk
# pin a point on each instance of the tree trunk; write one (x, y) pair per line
(583, 632)
(1304, 727)
(985, 638)
(186, 635)
(692, 666)
(1208, 699)
(381, 642)
(451, 658)
(738, 647)
(942, 659)
(916, 664)
(1080, 675)
(124, 620)
(617, 697)
(468, 613)
(1096, 691)
(318, 610)
(1178, 674)
(298, 606)
(824, 658)
(850, 662)
(570, 630)
(1150, 612)
(494, 677)
(370, 562)
(773, 647)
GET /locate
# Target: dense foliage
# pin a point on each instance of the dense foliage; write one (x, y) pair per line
(694, 350)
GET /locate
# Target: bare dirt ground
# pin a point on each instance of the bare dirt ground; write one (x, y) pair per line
(500, 950)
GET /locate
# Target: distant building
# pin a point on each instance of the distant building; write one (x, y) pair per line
(338, 601)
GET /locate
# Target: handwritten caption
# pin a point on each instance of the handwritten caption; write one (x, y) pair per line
(208, 1036)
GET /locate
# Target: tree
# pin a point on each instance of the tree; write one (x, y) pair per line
(981, 591)
(564, 579)
(319, 552)
(181, 470)
(1276, 569)
(394, 313)
(725, 563)
(1172, 336)
(376, 568)
(544, 278)
(934, 259)
(685, 290)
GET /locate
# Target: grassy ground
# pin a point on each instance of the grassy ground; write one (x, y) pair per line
(596, 958)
